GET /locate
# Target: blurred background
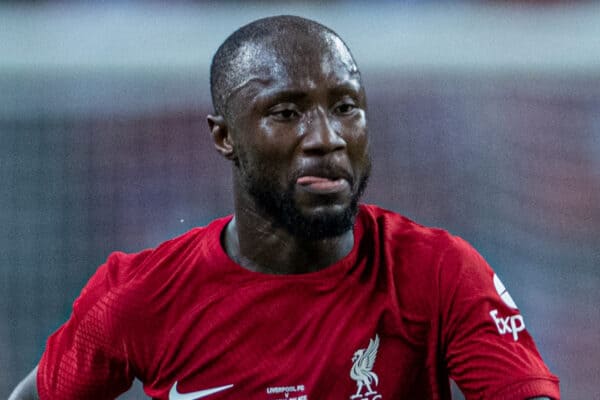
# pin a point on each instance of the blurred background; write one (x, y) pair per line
(484, 116)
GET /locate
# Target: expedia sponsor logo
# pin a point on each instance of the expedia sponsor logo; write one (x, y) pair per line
(512, 324)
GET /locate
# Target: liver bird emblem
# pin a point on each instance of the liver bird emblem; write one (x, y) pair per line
(362, 370)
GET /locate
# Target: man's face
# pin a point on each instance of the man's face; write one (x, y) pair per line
(300, 132)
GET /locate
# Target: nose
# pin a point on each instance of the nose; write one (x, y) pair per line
(321, 137)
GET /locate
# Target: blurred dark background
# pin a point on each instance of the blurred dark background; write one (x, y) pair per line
(485, 120)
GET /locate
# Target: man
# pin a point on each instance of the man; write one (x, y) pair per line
(302, 293)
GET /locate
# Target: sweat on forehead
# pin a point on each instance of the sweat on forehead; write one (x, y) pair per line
(268, 44)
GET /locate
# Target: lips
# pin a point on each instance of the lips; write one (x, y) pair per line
(323, 185)
(314, 180)
(324, 178)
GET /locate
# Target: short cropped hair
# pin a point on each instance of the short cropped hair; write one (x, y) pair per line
(225, 73)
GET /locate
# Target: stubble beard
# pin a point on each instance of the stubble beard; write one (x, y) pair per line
(282, 207)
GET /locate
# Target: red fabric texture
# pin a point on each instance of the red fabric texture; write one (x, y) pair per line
(416, 300)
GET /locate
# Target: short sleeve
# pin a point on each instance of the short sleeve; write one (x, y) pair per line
(488, 350)
(86, 357)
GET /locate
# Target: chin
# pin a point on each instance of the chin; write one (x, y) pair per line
(323, 211)
(307, 216)
(320, 222)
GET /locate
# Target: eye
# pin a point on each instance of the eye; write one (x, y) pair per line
(284, 112)
(345, 108)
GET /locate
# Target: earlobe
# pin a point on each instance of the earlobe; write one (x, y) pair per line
(221, 136)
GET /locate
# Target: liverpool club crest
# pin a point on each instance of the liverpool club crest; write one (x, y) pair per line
(362, 372)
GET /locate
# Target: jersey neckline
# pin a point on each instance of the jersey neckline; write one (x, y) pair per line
(222, 260)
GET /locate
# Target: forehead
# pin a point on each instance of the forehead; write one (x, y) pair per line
(300, 61)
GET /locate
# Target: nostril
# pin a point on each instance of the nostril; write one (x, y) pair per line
(323, 143)
(321, 137)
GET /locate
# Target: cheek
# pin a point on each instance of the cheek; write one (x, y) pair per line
(357, 137)
(257, 141)
(267, 151)
(277, 142)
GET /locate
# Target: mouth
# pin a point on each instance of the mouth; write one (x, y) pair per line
(325, 181)
(323, 185)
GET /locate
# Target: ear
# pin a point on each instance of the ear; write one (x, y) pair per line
(221, 136)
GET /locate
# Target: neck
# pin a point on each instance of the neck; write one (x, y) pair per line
(255, 243)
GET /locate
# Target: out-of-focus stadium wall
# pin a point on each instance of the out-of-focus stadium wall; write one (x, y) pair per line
(485, 120)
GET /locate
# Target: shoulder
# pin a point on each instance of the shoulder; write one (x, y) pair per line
(406, 237)
(174, 252)
(423, 260)
(126, 275)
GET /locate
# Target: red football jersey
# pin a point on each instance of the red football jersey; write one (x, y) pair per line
(405, 310)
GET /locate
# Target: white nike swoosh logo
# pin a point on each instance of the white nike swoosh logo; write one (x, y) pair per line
(175, 395)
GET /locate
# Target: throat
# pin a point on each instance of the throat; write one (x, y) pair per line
(277, 253)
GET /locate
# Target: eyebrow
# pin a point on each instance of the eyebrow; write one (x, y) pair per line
(352, 87)
(282, 94)
(348, 86)
(245, 84)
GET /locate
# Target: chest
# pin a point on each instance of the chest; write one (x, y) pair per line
(292, 341)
